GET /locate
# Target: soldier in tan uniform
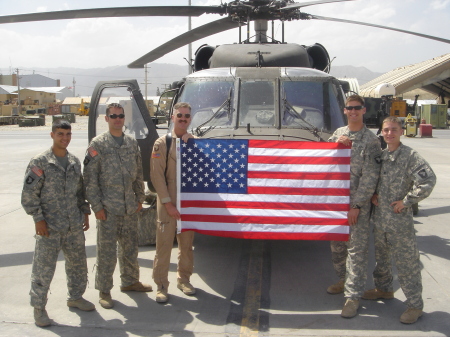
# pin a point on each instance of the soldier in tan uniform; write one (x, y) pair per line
(115, 190)
(350, 259)
(405, 179)
(53, 193)
(163, 177)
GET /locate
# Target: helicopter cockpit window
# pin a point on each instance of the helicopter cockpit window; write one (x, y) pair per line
(134, 123)
(306, 104)
(256, 103)
(210, 102)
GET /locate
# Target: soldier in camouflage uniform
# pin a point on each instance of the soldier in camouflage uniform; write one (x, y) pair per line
(350, 259)
(115, 190)
(53, 193)
(405, 179)
(163, 176)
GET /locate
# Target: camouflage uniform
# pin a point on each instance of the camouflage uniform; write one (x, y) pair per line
(350, 258)
(406, 176)
(166, 188)
(56, 195)
(114, 182)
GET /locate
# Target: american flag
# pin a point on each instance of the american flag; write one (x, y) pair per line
(262, 189)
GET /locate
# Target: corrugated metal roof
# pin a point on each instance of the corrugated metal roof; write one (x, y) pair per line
(8, 90)
(432, 75)
(76, 100)
(51, 90)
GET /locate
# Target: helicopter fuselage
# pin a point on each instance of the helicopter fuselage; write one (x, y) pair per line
(283, 103)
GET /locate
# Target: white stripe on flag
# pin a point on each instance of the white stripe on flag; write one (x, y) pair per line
(266, 212)
(255, 151)
(243, 227)
(319, 199)
(296, 183)
(298, 168)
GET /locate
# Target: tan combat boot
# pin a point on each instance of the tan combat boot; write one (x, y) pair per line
(81, 304)
(411, 315)
(161, 295)
(106, 300)
(376, 294)
(337, 288)
(41, 317)
(350, 308)
(186, 288)
(138, 286)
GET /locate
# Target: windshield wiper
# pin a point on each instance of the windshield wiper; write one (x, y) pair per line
(199, 132)
(294, 113)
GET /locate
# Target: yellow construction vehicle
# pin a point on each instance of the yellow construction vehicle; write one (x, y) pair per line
(84, 108)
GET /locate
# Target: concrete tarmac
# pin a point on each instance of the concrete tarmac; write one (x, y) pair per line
(244, 287)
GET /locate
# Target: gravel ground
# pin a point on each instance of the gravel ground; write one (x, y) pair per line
(81, 123)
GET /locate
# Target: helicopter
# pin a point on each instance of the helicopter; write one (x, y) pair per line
(259, 87)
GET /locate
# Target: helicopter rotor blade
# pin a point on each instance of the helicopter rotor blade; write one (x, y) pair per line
(317, 17)
(184, 39)
(310, 3)
(114, 12)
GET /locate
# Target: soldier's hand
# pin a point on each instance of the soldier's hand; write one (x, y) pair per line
(352, 216)
(186, 137)
(86, 222)
(42, 228)
(398, 206)
(344, 140)
(172, 210)
(375, 199)
(101, 214)
(139, 207)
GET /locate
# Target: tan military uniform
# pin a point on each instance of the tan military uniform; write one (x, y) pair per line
(166, 188)
(56, 195)
(406, 176)
(350, 259)
(114, 182)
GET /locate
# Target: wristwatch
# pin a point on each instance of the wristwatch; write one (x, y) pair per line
(355, 206)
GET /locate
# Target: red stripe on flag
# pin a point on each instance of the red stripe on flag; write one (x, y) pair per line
(279, 220)
(299, 160)
(264, 205)
(276, 144)
(298, 191)
(300, 175)
(275, 235)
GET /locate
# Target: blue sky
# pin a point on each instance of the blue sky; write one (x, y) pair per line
(91, 43)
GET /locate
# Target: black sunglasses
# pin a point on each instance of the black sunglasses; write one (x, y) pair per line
(356, 107)
(185, 115)
(114, 116)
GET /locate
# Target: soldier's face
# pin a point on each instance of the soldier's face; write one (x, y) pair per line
(182, 122)
(391, 132)
(115, 123)
(354, 115)
(61, 138)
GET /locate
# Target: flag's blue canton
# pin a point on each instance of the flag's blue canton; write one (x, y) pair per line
(214, 166)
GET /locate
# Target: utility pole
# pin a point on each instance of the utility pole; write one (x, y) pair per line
(146, 82)
(18, 91)
(73, 82)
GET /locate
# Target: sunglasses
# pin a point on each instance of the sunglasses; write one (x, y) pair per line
(356, 107)
(185, 115)
(114, 116)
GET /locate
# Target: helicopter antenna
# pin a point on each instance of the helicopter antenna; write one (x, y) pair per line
(328, 65)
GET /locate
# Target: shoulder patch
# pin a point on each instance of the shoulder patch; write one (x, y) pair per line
(92, 152)
(156, 148)
(378, 159)
(29, 180)
(37, 171)
(156, 155)
(422, 173)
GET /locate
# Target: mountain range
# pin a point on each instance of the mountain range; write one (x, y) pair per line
(159, 76)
